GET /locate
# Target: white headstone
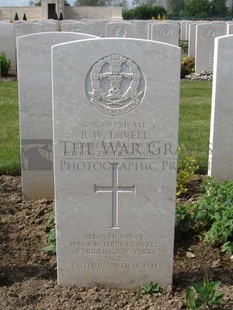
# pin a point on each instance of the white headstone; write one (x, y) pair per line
(50, 26)
(230, 29)
(7, 43)
(204, 53)
(115, 141)
(192, 39)
(219, 22)
(27, 28)
(120, 30)
(141, 29)
(183, 29)
(150, 24)
(187, 30)
(100, 28)
(35, 102)
(164, 32)
(221, 133)
(81, 27)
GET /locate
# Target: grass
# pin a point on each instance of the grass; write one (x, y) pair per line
(9, 129)
(193, 129)
(194, 125)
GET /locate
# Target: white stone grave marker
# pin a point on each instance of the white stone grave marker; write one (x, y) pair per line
(80, 27)
(7, 43)
(221, 133)
(35, 102)
(165, 32)
(119, 30)
(141, 29)
(115, 141)
(192, 39)
(204, 52)
(27, 28)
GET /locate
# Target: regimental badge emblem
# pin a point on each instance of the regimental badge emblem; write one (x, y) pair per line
(210, 33)
(119, 32)
(115, 85)
(165, 32)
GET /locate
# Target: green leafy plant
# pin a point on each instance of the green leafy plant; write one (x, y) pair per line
(184, 223)
(227, 248)
(183, 44)
(211, 217)
(150, 289)
(161, 17)
(187, 65)
(204, 295)
(51, 238)
(5, 64)
(214, 214)
(51, 234)
(144, 12)
(186, 170)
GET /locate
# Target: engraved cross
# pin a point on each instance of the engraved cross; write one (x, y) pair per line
(209, 58)
(115, 189)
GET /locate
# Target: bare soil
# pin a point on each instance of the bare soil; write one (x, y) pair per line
(28, 275)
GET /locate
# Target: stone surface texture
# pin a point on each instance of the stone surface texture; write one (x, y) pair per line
(120, 30)
(115, 139)
(35, 107)
(204, 52)
(221, 133)
(22, 29)
(7, 43)
(165, 32)
(81, 27)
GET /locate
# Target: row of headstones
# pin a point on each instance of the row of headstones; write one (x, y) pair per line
(201, 42)
(9, 33)
(185, 29)
(212, 46)
(134, 29)
(96, 129)
(164, 32)
(200, 35)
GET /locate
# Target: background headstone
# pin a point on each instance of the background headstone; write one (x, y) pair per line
(80, 27)
(120, 30)
(25, 28)
(183, 29)
(192, 39)
(35, 106)
(7, 43)
(221, 133)
(204, 53)
(50, 26)
(115, 141)
(187, 30)
(100, 28)
(141, 29)
(164, 32)
(230, 29)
